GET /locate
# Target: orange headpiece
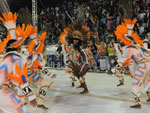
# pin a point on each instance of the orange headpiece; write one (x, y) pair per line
(30, 48)
(125, 33)
(21, 34)
(33, 35)
(80, 32)
(40, 47)
(9, 21)
(8, 18)
(4, 43)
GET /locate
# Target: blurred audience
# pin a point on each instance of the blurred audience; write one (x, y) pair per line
(102, 17)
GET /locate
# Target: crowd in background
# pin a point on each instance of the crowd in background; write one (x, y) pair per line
(102, 17)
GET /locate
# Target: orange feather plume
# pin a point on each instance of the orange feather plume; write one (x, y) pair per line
(88, 35)
(9, 17)
(4, 43)
(63, 35)
(129, 21)
(62, 38)
(85, 28)
(20, 72)
(37, 38)
(33, 32)
(22, 32)
(31, 47)
(74, 29)
(122, 29)
(36, 63)
(42, 39)
(137, 38)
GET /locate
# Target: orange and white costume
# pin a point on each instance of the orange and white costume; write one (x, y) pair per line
(37, 65)
(133, 53)
(13, 69)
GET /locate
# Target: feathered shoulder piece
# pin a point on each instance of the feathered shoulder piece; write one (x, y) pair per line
(33, 32)
(22, 78)
(76, 31)
(3, 44)
(125, 33)
(9, 20)
(22, 33)
(63, 36)
(30, 47)
(33, 35)
(130, 24)
(40, 47)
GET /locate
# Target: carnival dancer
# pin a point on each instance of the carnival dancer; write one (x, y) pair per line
(36, 68)
(78, 35)
(13, 69)
(126, 35)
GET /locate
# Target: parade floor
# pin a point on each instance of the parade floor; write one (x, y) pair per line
(104, 96)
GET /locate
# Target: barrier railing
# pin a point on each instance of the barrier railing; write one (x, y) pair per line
(102, 62)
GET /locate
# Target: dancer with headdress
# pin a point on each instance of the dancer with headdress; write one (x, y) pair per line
(13, 67)
(68, 53)
(78, 35)
(125, 34)
(36, 68)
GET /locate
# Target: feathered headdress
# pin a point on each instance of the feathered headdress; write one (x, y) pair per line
(40, 47)
(125, 33)
(22, 78)
(30, 48)
(33, 35)
(37, 48)
(4, 43)
(9, 21)
(76, 31)
(21, 34)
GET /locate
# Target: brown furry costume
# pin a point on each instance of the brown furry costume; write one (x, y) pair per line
(78, 35)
